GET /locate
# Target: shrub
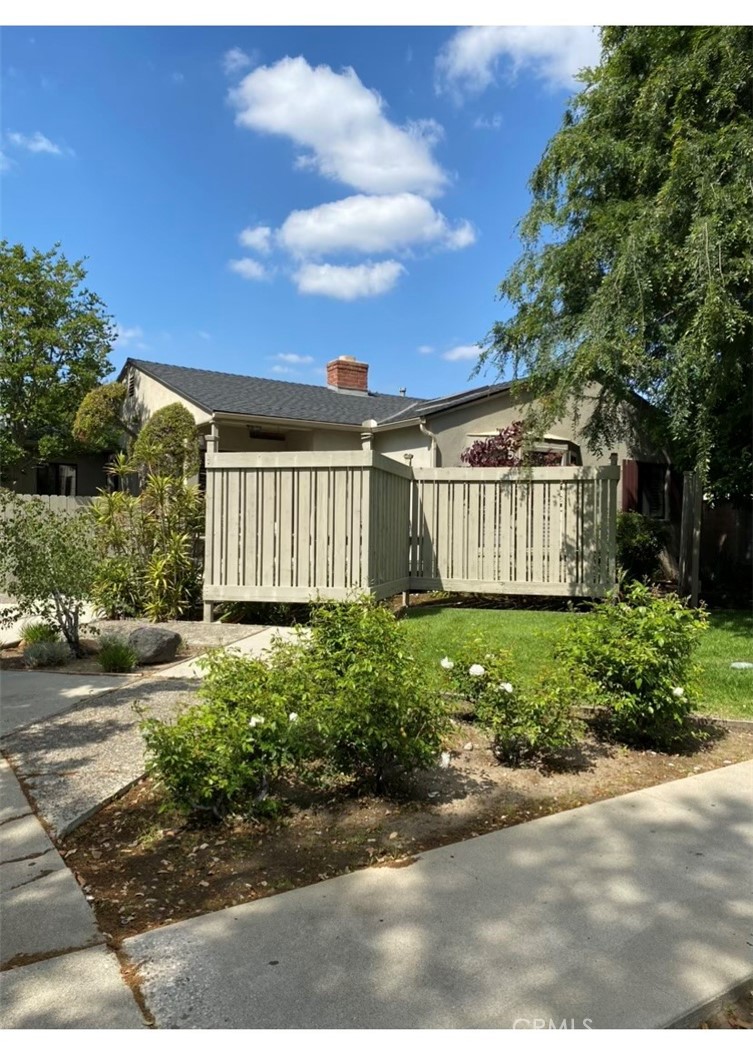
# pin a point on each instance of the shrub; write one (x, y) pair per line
(635, 657)
(527, 725)
(151, 550)
(47, 563)
(523, 724)
(47, 653)
(347, 695)
(640, 541)
(221, 754)
(167, 444)
(506, 448)
(116, 655)
(39, 633)
(470, 670)
(367, 695)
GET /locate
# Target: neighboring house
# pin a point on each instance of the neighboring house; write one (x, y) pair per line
(79, 474)
(252, 414)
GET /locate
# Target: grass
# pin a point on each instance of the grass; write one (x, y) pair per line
(729, 638)
(531, 635)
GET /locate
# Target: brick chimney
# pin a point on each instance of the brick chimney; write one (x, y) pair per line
(346, 374)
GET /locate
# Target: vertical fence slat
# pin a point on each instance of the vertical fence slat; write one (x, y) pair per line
(289, 526)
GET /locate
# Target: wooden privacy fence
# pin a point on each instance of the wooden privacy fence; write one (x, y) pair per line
(292, 526)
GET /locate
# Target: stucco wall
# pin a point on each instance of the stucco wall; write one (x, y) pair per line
(457, 428)
(335, 441)
(404, 439)
(149, 395)
(238, 438)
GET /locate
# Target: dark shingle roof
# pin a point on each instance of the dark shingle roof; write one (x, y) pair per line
(451, 401)
(281, 399)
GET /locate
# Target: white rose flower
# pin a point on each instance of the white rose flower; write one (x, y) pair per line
(476, 670)
(506, 687)
(293, 717)
(446, 663)
(255, 720)
(678, 691)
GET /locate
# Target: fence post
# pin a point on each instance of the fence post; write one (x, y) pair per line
(212, 445)
(690, 538)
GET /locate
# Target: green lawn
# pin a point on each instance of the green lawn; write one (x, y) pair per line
(435, 631)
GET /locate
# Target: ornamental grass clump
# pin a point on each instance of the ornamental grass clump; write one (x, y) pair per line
(116, 655)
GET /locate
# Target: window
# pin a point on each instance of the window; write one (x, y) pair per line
(652, 490)
(57, 479)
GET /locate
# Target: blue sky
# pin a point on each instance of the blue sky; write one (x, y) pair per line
(261, 200)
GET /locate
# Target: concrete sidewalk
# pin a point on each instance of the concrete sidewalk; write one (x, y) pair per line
(43, 914)
(626, 913)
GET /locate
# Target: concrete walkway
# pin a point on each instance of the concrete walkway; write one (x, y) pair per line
(29, 696)
(77, 760)
(625, 913)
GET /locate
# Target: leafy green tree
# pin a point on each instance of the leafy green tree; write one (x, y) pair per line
(55, 338)
(167, 444)
(636, 271)
(48, 560)
(99, 422)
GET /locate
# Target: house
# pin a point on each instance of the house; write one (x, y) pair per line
(253, 414)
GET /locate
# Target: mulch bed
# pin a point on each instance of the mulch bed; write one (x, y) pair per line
(737, 1015)
(142, 868)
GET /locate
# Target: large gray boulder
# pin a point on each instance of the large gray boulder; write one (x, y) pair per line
(152, 644)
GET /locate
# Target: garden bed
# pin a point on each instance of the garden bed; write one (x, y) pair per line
(143, 868)
(13, 658)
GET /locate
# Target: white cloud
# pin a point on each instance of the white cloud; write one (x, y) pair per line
(129, 338)
(259, 239)
(248, 269)
(371, 224)
(36, 142)
(426, 350)
(5, 162)
(488, 122)
(125, 335)
(177, 78)
(348, 282)
(470, 60)
(341, 124)
(281, 369)
(468, 352)
(234, 60)
(290, 358)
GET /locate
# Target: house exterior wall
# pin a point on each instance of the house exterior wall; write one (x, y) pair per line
(149, 395)
(457, 428)
(335, 441)
(397, 442)
(238, 438)
(90, 475)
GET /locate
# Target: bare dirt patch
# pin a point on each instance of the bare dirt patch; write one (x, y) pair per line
(737, 1014)
(143, 868)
